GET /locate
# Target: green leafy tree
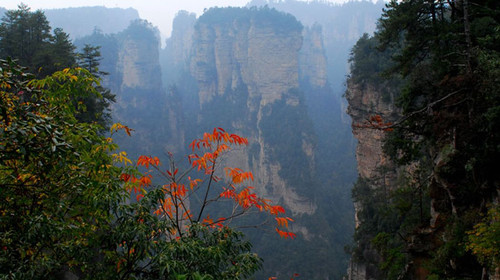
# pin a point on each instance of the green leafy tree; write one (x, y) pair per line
(58, 182)
(484, 239)
(26, 36)
(90, 58)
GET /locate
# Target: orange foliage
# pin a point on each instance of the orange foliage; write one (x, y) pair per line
(146, 161)
(375, 122)
(118, 126)
(175, 205)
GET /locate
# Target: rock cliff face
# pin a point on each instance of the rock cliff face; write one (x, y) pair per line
(140, 91)
(179, 44)
(425, 238)
(374, 167)
(132, 61)
(176, 55)
(253, 63)
(366, 101)
(138, 64)
(249, 54)
(342, 26)
(313, 63)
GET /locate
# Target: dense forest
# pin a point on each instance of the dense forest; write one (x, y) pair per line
(437, 218)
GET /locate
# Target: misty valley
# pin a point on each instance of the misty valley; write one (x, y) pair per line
(280, 140)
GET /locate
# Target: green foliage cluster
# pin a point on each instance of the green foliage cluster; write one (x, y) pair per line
(201, 253)
(448, 56)
(57, 181)
(26, 36)
(107, 47)
(370, 66)
(97, 109)
(280, 22)
(367, 64)
(142, 30)
(388, 217)
(394, 259)
(64, 208)
(484, 238)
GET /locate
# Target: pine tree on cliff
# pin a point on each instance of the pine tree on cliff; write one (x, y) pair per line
(26, 36)
(98, 109)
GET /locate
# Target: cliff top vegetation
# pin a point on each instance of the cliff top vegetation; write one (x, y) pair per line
(261, 16)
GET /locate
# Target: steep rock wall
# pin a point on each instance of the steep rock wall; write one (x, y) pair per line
(175, 57)
(342, 26)
(245, 53)
(138, 63)
(179, 44)
(251, 61)
(374, 167)
(426, 239)
(366, 101)
(141, 101)
(313, 63)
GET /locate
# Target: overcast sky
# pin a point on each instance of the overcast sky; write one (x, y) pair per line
(159, 12)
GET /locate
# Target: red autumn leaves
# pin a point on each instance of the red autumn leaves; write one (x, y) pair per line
(179, 188)
(375, 122)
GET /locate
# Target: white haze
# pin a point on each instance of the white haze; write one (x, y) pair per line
(158, 12)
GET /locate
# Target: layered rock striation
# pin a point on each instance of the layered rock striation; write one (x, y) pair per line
(245, 52)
